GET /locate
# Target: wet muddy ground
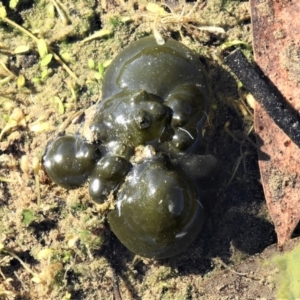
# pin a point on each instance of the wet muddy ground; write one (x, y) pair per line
(60, 247)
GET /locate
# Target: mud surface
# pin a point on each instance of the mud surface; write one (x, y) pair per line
(62, 247)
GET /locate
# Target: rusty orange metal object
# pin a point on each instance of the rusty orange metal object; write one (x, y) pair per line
(276, 40)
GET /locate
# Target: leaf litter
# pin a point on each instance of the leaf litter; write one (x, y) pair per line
(276, 40)
(84, 260)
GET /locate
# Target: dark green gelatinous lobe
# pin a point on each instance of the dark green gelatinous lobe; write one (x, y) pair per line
(157, 69)
(154, 94)
(111, 167)
(135, 118)
(107, 174)
(158, 212)
(69, 160)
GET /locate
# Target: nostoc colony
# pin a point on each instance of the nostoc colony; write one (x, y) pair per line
(147, 129)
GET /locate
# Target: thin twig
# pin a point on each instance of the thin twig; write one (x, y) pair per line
(278, 108)
(219, 261)
(117, 295)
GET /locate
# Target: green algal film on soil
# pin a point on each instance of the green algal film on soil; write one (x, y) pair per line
(288, 278)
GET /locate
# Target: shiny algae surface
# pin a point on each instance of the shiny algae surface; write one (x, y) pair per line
(156, 97)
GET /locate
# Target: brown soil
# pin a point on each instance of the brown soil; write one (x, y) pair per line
(65, 243)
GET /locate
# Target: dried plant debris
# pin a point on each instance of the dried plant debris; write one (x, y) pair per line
(276, 55)
(56, 244)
